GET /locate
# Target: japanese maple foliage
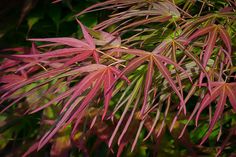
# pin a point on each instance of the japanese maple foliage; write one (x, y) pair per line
(132, 77)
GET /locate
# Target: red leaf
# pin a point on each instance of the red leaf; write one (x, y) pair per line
(54, 53)
(217, 113)
(87, 37)
(200, 32)
(167, 76)
(108, 79)
(208, 99)
(169, 61)
(210, 46)
(65, 40)
(148, 83)
(226, 38)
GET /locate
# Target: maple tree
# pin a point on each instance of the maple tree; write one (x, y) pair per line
(131, 77)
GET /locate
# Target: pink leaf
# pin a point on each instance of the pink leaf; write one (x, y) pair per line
(217, 114)
(210, 46)
(148, 83)
(169, 61)
(200, 32)
(87, 36)
(54, 53)
(207, 100)
(64, 40)
(167, 76)
(108, 79)
(226, 38)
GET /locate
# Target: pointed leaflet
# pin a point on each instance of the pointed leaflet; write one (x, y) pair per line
(64, 40)
(217, 113)
(219, 89)
(225, 37)
(148, 83)
(90, 45)
(208, 99)
(87, 37)
(84, 83)
(153, 125)
(108, 79)
(200, 32)
(213, 31)
(169, 61)
(210, 46)
(54, 53)
(189, 95)
(195, 58)
(165, 72)
(58, 125)
(90, 41)
(209, 49)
